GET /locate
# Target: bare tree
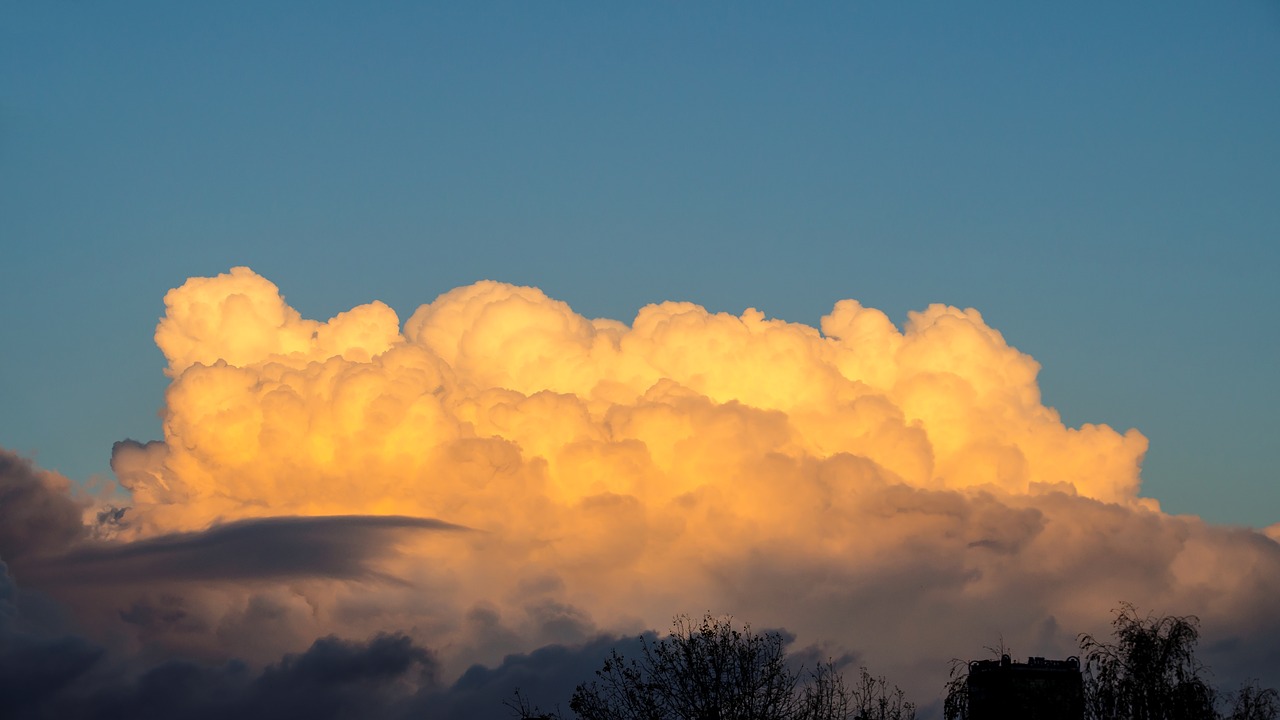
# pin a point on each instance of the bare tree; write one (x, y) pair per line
(1252, 703)
(521, 707)
(711, 670)
(825, 696)
(873, 700)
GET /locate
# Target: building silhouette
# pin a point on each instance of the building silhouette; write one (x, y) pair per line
(1039, 689)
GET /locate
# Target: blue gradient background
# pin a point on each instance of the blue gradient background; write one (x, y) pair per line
(1100, 180)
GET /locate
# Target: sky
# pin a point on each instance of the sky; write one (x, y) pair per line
(1003, 273)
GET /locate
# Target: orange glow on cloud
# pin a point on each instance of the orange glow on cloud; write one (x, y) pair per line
(672, 404)
(858, 484)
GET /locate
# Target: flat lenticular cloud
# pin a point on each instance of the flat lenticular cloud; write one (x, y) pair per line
(275, 549)
(901, 494)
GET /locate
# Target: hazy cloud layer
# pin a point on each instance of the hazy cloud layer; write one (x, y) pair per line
(901, 495)
(44, 673)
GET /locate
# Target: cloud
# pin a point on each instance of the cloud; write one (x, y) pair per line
(48, 672)
(51, 673)
(898, 494)
(37, 665)
(280, 548)
(492, 378)
(63, 675)
(545, 677)
(37, 513)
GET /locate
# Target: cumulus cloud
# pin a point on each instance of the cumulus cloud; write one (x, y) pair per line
(902, 494)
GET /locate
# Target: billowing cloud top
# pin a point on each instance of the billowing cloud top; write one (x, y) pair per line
(499, 390)
(900, 494)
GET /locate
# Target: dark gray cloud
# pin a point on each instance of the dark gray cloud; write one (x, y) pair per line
(45, 673)
(334, 678)
(37, 513)
(545, 677)
(37, 663)
(344, 547)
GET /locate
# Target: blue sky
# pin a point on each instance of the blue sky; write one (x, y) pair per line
(1101, 182)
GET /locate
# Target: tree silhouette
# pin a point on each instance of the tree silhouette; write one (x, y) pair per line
(956, 704)
(1149, 672)
(873, 700)
(522, 708)
(712, 670)
(1253, 703)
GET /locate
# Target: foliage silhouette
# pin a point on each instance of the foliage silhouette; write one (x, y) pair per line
(1149, 672)
(711, 670)
(1253, 703)
(956, 704)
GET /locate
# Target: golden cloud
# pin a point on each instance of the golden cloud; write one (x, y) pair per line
(904, 492)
